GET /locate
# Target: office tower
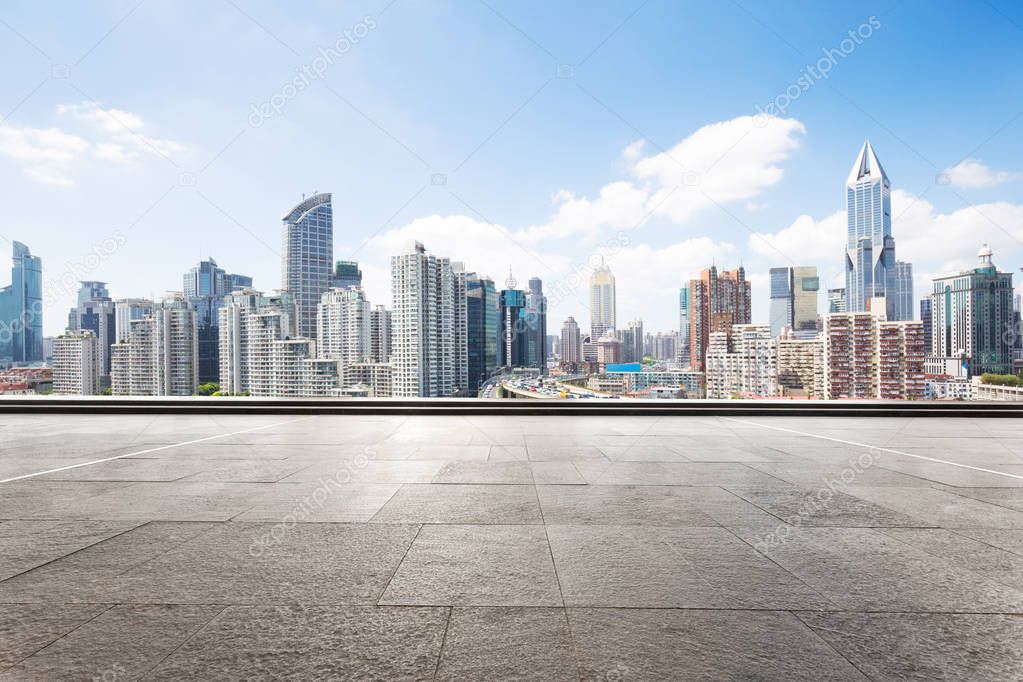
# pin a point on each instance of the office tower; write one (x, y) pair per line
(870, 357)
(926, 319)
(208, 279)
(794, 300)
(308, 257)
(235, 282)
(553, 346)
(513, 344)
(632, 341)
(482, 331)
(249, 322)
(76, 363)
(801, 367)
(571, 342)
(207, 335)
(422, 324)
(161, 354)
(602, 302)
(870, 270)
(683, 325)
(462, 279)
(972, 311)
(742, 361)
(125, 311)
(534, 315)
(48, 350)
(903, 296)
(836, 301)
(21, 309)
(379, 334)
(95, 312)
(343, 326)
(717, 301)
(346, 274)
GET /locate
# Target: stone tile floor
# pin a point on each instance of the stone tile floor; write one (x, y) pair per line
(472, 548)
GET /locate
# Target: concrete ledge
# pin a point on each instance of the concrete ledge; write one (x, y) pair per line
(472, 406)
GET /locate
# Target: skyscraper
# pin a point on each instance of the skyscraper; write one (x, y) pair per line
(249, 324)
(683, 325)
(308, 257)
(717, 301)
(602, 302)
(95, 312)
(870, 269)
(973, 315)
(926, 319)
(21, 309)
(126, 310)
(379, 334)
(422, 324)
(343, 326)
(161, 354)
(903, 295)
(794, 300)
(836, 301)
(571, 342)
(511, 304)
(534, 316)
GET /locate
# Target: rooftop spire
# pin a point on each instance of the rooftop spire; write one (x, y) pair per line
(867, 166)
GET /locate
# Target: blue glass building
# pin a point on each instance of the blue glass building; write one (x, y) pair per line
(308, 257)
(21, 309)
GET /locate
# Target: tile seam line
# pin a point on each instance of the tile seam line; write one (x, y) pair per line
(157, 449)
(873, 447)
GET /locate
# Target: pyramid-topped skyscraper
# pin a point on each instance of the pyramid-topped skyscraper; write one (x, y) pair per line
(870, 267)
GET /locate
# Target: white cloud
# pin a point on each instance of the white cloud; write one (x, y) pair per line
(122, 127)
(806, 241)
(46, 154)
(970, 173)
(634, 150)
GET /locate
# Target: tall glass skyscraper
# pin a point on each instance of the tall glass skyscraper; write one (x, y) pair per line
(21, 309)
(794, 300)
(535, 317)
(870, 247)
(308, 257)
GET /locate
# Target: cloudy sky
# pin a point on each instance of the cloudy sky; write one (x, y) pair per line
(138, 137)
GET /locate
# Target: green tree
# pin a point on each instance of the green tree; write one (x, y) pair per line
(208, 388)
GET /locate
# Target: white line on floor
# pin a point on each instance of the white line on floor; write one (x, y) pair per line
(874, 447)
(158, 449)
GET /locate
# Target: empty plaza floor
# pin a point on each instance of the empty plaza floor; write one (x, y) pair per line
(510, 547)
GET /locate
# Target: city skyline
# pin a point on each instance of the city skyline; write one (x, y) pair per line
(543, 166)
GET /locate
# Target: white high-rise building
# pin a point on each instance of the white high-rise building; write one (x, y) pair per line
(571, 342)
(602, 302)
(295, 371)
(249, 322)
(343, 326)
(742, 361)
(460, 307)
(380, 334)
(77, 364)
(423, 334)
(127, 310)
(161, 356)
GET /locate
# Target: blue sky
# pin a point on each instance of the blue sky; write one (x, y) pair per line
(560, 132)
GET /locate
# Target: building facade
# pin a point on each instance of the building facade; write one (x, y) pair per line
(571, 342)
(794, 300)
(308, 257)
(77, 364)
(21, 309)
(718, 300)
(603, 301)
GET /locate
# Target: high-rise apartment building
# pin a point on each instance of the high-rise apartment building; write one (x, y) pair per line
(205, 287)
(717, 301)
(632, 341)
(379, 334)
(742, 361)
(125, 311)
(462, 282)
(161, 354)
(95, 312)
(801, 367)
(308, 257)
(76, 363)
(870, 357)
(973, 317)
(794, 300)
(423, 333)
(602, 302)
(571, 342)
(21, 309)
(249, 323)
(870, 266)
(343, 327)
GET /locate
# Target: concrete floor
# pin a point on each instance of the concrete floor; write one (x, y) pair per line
(614, 548)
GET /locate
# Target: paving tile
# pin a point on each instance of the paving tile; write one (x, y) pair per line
(368, 471)
(312, 642)
(925, 646)
(122, 643)
(552, 473)
(861, 569)
(35, 499)
(476, 566)
(485, 472)
(557, 453)
(27, 544)
(173, 501)
(27, 628)
(251, 563)
(940, 508)
(494, 643)
(321, 502)
(461, 504)
(515, 453)
(971, 554)
(618, 505)
(669, 644)
(651, 567)
(823, 506)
